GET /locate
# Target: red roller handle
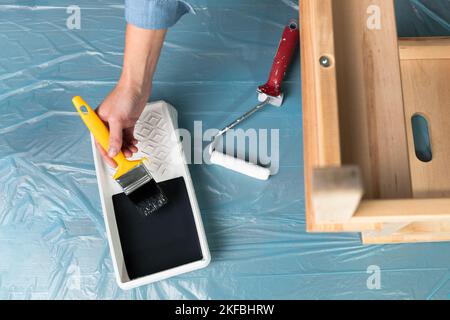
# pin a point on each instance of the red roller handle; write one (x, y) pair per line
(286, 49)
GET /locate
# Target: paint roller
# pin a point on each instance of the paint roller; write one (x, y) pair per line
(269, 93)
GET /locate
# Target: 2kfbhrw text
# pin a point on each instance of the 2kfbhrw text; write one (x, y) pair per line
(232, 309)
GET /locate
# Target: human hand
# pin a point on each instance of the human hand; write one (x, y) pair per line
(120, 111)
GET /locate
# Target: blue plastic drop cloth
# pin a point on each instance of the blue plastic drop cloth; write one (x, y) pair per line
(52, 235)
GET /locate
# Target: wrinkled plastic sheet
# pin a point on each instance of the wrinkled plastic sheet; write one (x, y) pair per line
(52, 236)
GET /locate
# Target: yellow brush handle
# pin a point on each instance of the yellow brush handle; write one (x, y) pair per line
(101, 134)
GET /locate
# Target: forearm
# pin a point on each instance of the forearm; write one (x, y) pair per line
(147, 22)
(142, 51)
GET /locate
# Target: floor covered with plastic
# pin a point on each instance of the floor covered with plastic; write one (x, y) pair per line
(52, 235)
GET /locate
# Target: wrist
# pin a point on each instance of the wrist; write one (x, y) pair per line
(142, 50)
(138, 86)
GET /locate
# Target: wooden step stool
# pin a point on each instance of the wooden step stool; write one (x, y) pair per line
(361, 87)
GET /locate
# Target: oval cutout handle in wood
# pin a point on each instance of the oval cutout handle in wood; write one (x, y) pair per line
(422, 139)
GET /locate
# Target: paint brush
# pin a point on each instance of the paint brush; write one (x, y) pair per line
(132, 175)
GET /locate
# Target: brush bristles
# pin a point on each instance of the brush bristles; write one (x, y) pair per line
(134, 179)
(148, 198)
(140, 187)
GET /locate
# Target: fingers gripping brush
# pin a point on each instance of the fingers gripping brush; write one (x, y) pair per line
(132, 175)
(269, 93)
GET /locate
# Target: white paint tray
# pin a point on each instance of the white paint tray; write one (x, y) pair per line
(158, 141)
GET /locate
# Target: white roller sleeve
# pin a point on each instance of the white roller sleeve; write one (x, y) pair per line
(239, 165)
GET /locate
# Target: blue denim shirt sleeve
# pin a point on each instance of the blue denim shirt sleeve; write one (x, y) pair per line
(155, 14)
